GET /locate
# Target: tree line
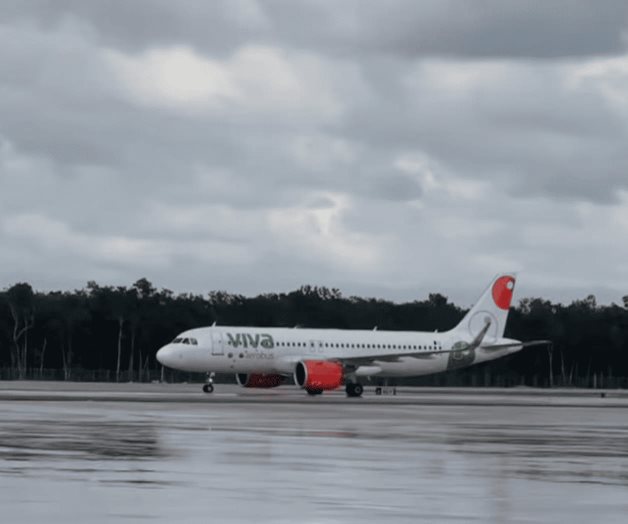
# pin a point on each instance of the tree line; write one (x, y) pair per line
(113, 332)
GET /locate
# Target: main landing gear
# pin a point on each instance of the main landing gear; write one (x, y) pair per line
(208, 387)
(314, 392)
(354, 389)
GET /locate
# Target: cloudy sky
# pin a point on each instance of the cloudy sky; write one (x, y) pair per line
(386, 148)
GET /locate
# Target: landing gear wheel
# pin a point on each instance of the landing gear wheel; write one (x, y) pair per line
(209, 385)
(314, 392)
(354, 389)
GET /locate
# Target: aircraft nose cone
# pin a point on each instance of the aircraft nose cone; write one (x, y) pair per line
(164, 355)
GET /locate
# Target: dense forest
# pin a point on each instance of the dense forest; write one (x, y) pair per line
(113, 333)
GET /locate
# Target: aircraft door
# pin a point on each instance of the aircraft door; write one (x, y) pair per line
(217, 343)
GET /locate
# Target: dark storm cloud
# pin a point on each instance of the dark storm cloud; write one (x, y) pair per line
(497, 28)
(405, 28)
(256, 146)
(525, 127)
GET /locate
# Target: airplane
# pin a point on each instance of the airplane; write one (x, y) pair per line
(325, 359)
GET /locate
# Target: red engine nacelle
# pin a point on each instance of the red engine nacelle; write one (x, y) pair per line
(318, 375)
(258, 380)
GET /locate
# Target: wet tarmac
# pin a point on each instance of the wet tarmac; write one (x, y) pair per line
(104, 453)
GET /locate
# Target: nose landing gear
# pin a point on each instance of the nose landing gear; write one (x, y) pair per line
(209, 386)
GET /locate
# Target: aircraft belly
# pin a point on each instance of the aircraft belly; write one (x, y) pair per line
(412, 367)
(254, 366)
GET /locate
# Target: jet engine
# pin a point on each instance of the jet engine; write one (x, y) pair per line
(318, 375)
(258, 380)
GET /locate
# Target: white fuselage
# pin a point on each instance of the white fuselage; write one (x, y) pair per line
(225, 349)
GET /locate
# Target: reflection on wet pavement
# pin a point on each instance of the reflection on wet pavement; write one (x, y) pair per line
(44, 438)
(124, 462)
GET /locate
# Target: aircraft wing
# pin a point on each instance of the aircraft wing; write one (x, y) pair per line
(364, 360)
(496, 347)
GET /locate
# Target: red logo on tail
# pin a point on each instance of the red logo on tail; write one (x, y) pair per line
(502, 291)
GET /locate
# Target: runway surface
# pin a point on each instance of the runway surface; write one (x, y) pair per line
(231, 394)
(127, 453)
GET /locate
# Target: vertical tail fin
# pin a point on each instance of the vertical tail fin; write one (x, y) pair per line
(492, 307)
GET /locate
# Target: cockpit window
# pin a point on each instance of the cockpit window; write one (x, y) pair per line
(188, 340)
